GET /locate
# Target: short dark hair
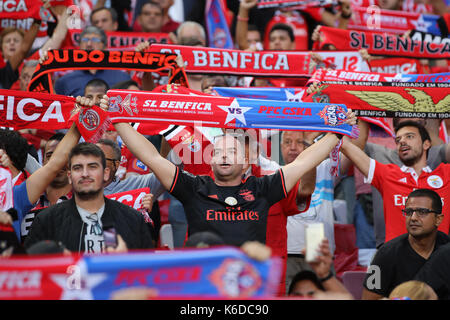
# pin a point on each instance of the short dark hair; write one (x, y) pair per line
(97, 83)
(411, 123)
(113, 145)
(125, 84)
(87, 149)
(112, 11)
(305, 275)
(436, 202)
(150, 2)
(57, 136)
(284, 27)
(15, 146)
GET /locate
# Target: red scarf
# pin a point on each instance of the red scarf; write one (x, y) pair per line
(22, 109)
(238, 62)
(382, 44)
(388, 99)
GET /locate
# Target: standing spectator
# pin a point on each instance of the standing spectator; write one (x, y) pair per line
(15, 47)
(73, 83)
(105, 19)
(213, 204)
(400, 259)
(79, 222)
(150, 18)
(169, 25)
(395, 183)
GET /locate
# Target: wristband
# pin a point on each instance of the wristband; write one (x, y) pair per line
(328, 277)
(241, 18)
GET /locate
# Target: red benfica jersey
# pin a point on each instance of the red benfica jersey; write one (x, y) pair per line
(395, 184)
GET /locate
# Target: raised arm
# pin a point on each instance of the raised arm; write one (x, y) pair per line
(144, 150)
(242, 23)
(41, 178)
(308, 159)
(359, 158)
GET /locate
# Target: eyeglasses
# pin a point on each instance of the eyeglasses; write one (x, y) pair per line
(98, 231)
(421, 212)
(95, 40)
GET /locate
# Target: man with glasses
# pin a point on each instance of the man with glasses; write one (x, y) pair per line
(400, 259)
(73, 83)
(79, 223)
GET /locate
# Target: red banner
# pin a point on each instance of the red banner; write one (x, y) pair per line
(391, 21)
(119, 39)
(239, 62)
(388, 99)
(22, 109)
(382, 44)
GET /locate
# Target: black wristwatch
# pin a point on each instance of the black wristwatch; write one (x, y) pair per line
(328, 277)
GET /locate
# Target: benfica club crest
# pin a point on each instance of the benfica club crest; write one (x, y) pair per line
(90, 119)
(333, 115)
(235, 278)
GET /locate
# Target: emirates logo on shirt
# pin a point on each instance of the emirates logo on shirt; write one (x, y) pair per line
(232, 214)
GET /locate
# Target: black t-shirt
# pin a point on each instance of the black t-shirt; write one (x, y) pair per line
(397, 262)
(8, 76)
(237, 214)
(436, 272)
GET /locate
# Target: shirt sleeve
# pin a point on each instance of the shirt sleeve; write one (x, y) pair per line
(273, 187)
(21, 204)
(182, 186)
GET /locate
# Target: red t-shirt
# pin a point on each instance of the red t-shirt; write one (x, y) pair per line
(395, 184)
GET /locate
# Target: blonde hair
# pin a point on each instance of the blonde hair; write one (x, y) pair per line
(415, 290)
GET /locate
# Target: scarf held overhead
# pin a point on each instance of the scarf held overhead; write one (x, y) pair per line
(382, 44)
(92, 60)
(222, 112)
(238, 62)
(388, 99)
(34, 110)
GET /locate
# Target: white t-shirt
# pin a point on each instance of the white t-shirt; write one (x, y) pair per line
(320, 210)
(93, 237)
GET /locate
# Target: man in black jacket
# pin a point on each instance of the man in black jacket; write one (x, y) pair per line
(79, 223)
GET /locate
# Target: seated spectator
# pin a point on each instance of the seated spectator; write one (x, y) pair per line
(308, 283)
(105, 19)
(400, 259)
(413, 290)
(73, 83)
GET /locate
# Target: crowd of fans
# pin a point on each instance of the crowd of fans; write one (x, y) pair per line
(59, 181)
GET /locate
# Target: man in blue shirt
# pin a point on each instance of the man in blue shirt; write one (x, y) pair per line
(73, 84)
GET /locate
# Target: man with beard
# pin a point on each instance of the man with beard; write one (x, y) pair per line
(79, 222)
(401, 259)
(395, 183)
(58, 190)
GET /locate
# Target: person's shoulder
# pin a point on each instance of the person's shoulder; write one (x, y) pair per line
(394, 244)
(442, 238)
(54, 211)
